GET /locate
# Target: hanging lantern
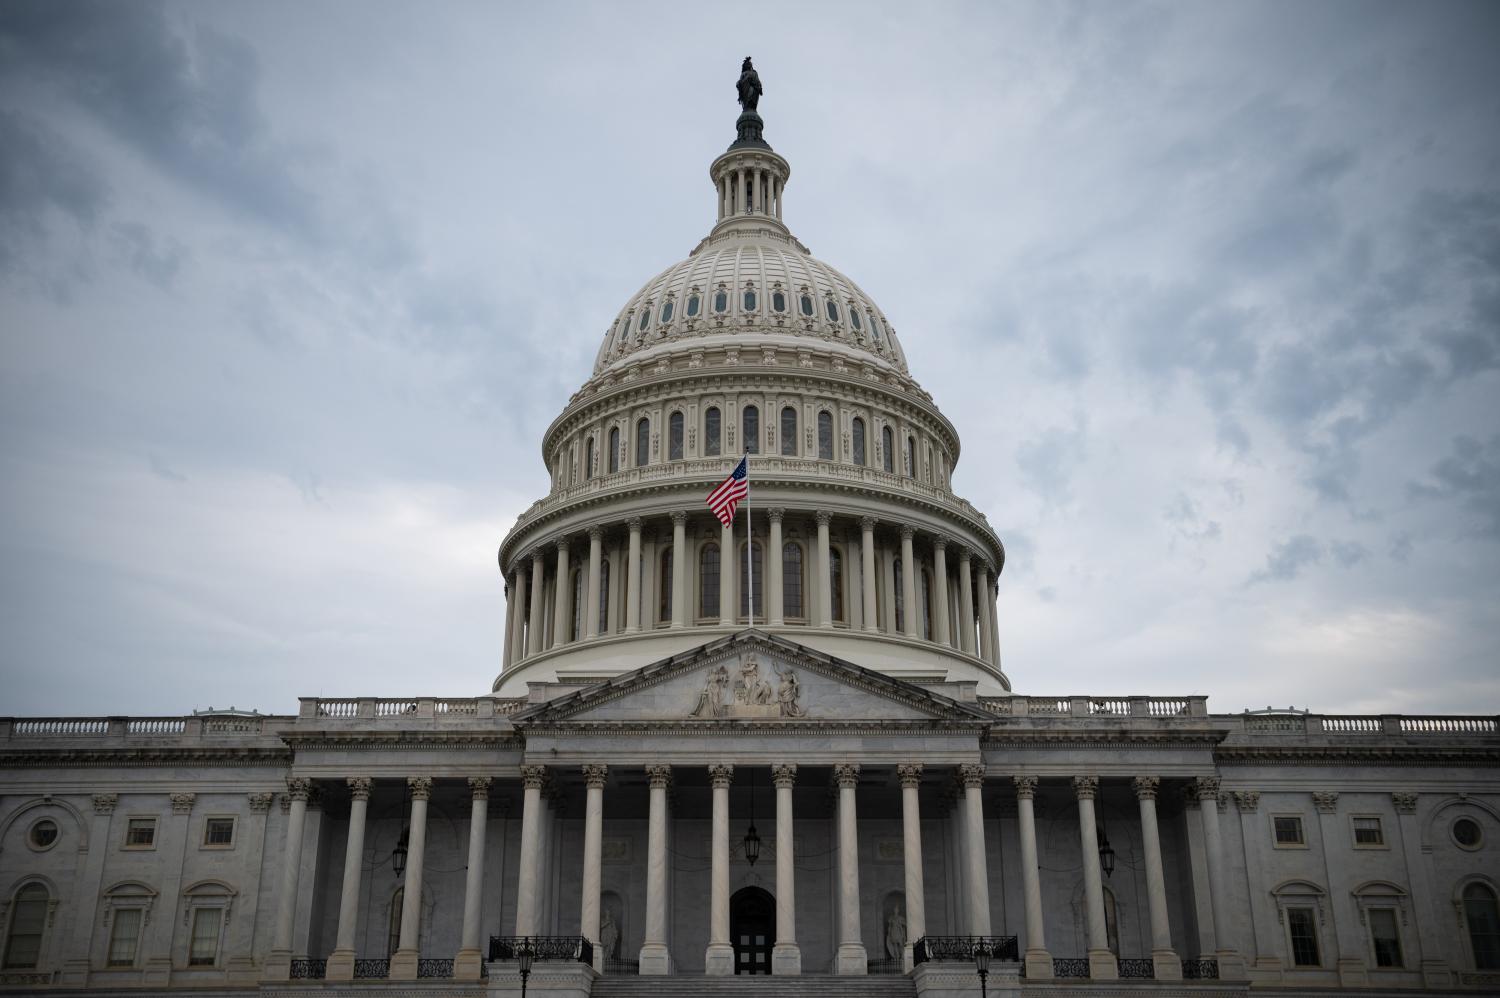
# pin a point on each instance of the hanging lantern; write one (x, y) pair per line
(1106, 854)
(752, 838)
(398, 854)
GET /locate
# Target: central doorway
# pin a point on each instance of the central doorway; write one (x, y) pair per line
(752, 926)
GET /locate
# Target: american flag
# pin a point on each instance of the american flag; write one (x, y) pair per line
(725, 499)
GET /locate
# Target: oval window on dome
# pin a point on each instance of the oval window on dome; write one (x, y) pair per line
(807, 308)
(645, 318)
(692, 306)
(832, 308)
(778, 301)
(749, 301)
(666, 311)
(721, 302)
(853, 318)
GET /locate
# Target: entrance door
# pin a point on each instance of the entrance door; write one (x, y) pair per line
(752, 926)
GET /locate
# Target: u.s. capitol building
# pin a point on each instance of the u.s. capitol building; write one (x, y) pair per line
(660, 790)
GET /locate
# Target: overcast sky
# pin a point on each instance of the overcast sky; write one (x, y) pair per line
(289, 293)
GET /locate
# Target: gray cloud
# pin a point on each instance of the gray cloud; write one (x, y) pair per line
(41, 173)
(1471, 476)
(1288, 559)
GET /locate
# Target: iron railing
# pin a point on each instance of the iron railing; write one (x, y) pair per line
(371, 970)
(575, 948)
(435, 967)
(308, 970)
(1137, 968)
(933, 948)
(1200, 970)
(1070, 967)
(885, 967)
(614, 965)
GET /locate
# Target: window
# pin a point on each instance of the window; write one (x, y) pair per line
(666, 311)
(750, 429)
(42, 835)
(1385, 940)
(791, 580)
(749, 300)
(645, 319)
(854, 318)
(140, 833)
(203, 946)
(926, 597)
(857, 431)
(899, 584)
(604, 596)
(825, 435)
(393, 927)
(836, 582)
(124, 936)
(614, 449)
(664, 606)
(778, 301)
(832, 308)
(588, 458)
(806, 305)
(1466, 833)
(575, 627)
(692, 306)
(1288, 828)
(875, 326)
(1302, 930)
(712, 435)
(708, 581)
(1482, 916)
(721, 301)
(789, 431)
(674, 437)
(887, 449)
(911, 457)
(28, 920)
(642, 443)
(1367, 832)
(218, 832)
(757, 571)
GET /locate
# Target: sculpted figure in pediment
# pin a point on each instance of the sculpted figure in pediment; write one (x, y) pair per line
(751, 688)
(787, 694)
(711, 700)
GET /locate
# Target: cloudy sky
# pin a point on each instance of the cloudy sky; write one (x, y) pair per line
(289, 292)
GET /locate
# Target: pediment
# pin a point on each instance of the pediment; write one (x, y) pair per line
(750, 678)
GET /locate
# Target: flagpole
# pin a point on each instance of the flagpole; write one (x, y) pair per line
(749, 544)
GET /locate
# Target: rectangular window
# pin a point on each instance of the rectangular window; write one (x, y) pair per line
(203, 949)
(1288, 831)
(1302, 927)
(140, 833)
(123, 936)
(1368, 833)
(1384, 938)
(218, 832)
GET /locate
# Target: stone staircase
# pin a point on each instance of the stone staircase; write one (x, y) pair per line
(802, 986)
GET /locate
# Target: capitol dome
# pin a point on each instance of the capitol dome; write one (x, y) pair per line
(751, 346)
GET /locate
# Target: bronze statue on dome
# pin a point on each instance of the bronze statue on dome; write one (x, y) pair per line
(749, 87)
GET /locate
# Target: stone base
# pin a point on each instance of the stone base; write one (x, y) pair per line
(468, 965)
(242, 970)
(1352, 973)
(1166, 964)
(1038, 965)
(1436, 974)
(1103, 966)
(1232, 966)
(553, 978)
(158, 972)
(851, 959)
(74, 974)
(655, 960)
(403, 965)
(786, 960)
(959, 980)
(340, 965)
(718, 960)
(278, 966)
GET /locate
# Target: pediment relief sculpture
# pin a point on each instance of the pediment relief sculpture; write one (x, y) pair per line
(751, 696)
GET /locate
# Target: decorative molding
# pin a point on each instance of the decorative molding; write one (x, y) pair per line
(105, 803)
(658, 776)
(971, 774)
(1248, 801)
(784, 774)
(846, 775)
(910, 774)
(298, 788)
(720, 775)
(775, 514)
(479, 787)
(421, 787)
(1207, 787)
(1405, 803)
(359, 787)
(1326, 801)
(532, 777)
(261, 803)
(1146, 787)
(594, 775)
(1025, 787)
(1085, 787)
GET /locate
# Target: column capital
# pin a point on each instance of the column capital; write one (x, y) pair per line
(720, 775)
(784, 774)
(906, 531)
(538, 554)
(823, 517)
(182, 803)
(479, 787)
(1085, 787)
(1326, 801)
(1025, 787)
(421, 787)
(594, 775)
(1406, 803)
(1207, 788)
(972, 775)
(562, 545)
(939, 543)
(105, 803)
(867, 523)
(532, 777)
(359, 787)
(964, 554)
(1247, 800)
(1146, 787)
(299, 787)
(679, 518)
(775, 514)
(910, 773)
(846, 775)
(259, 803)
(596, 532)
(659, 777)
(634, 524)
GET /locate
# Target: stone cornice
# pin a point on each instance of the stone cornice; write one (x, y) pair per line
(373, 737)
(1363, 755)
(741, 727)
(135, 758)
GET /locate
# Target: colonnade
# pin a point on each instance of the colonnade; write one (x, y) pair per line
(750, 191)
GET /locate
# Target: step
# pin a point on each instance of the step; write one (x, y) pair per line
(801, 986)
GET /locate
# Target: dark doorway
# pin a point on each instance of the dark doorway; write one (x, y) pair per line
(752, 926)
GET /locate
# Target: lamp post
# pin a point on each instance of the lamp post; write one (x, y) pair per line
(524, 956)
(982, 965)
(752, 837)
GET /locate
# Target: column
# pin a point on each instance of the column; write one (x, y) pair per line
(633, 578)
(404, 960)
(593, 843)
(986, 630)
(655, 959)
(562, 602)
(341, 960)
(965, 603)
(1349, 942)
(1038, 960)
(1231, 964)
(1168, 964)
(851, 952)
(1102, 965)
(825, 592)
(1435, 970)
(786, 955)
(468, 963)
(991, 594)
(727, 561)
(972, 775)
(679, 570)
(909, 584)
(911, 835)
(775, 604)
(76, 965)
(940, 594)
(532, 778)
(867, 572)
(718, 961)
(596, 569)
(278, 965)
(517, 635)
(508, 652)
(538, 599)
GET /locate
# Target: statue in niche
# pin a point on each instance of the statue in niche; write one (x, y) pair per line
(787, 694)
(751, 688)
(748, 87)
(895, 934)
(609, 935)
(711, 700)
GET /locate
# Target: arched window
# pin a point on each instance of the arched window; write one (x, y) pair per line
(713, 438)
(664, 605)
(604, 597)
(898, 583)
(393, 927)
(1482, 917)
(207, 904)
(836, 582)
(875, 326)
(854, 318)
(721, 301)
(789, 431)
(750, 429)
(758, 571)
(614, 449)
(28, 920)
(674, 437)
(666, 311)
(791, 580)
(749, 299)
(579, 597)
(127, 906)
(708, 581)
(911, 457)
(857, 433)
(642, 443)
(588, 458)
(806, 305)
(825, 435)
(692, 306)
(926, 605)
(645, 319)
(832, 308)
(887, 449)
